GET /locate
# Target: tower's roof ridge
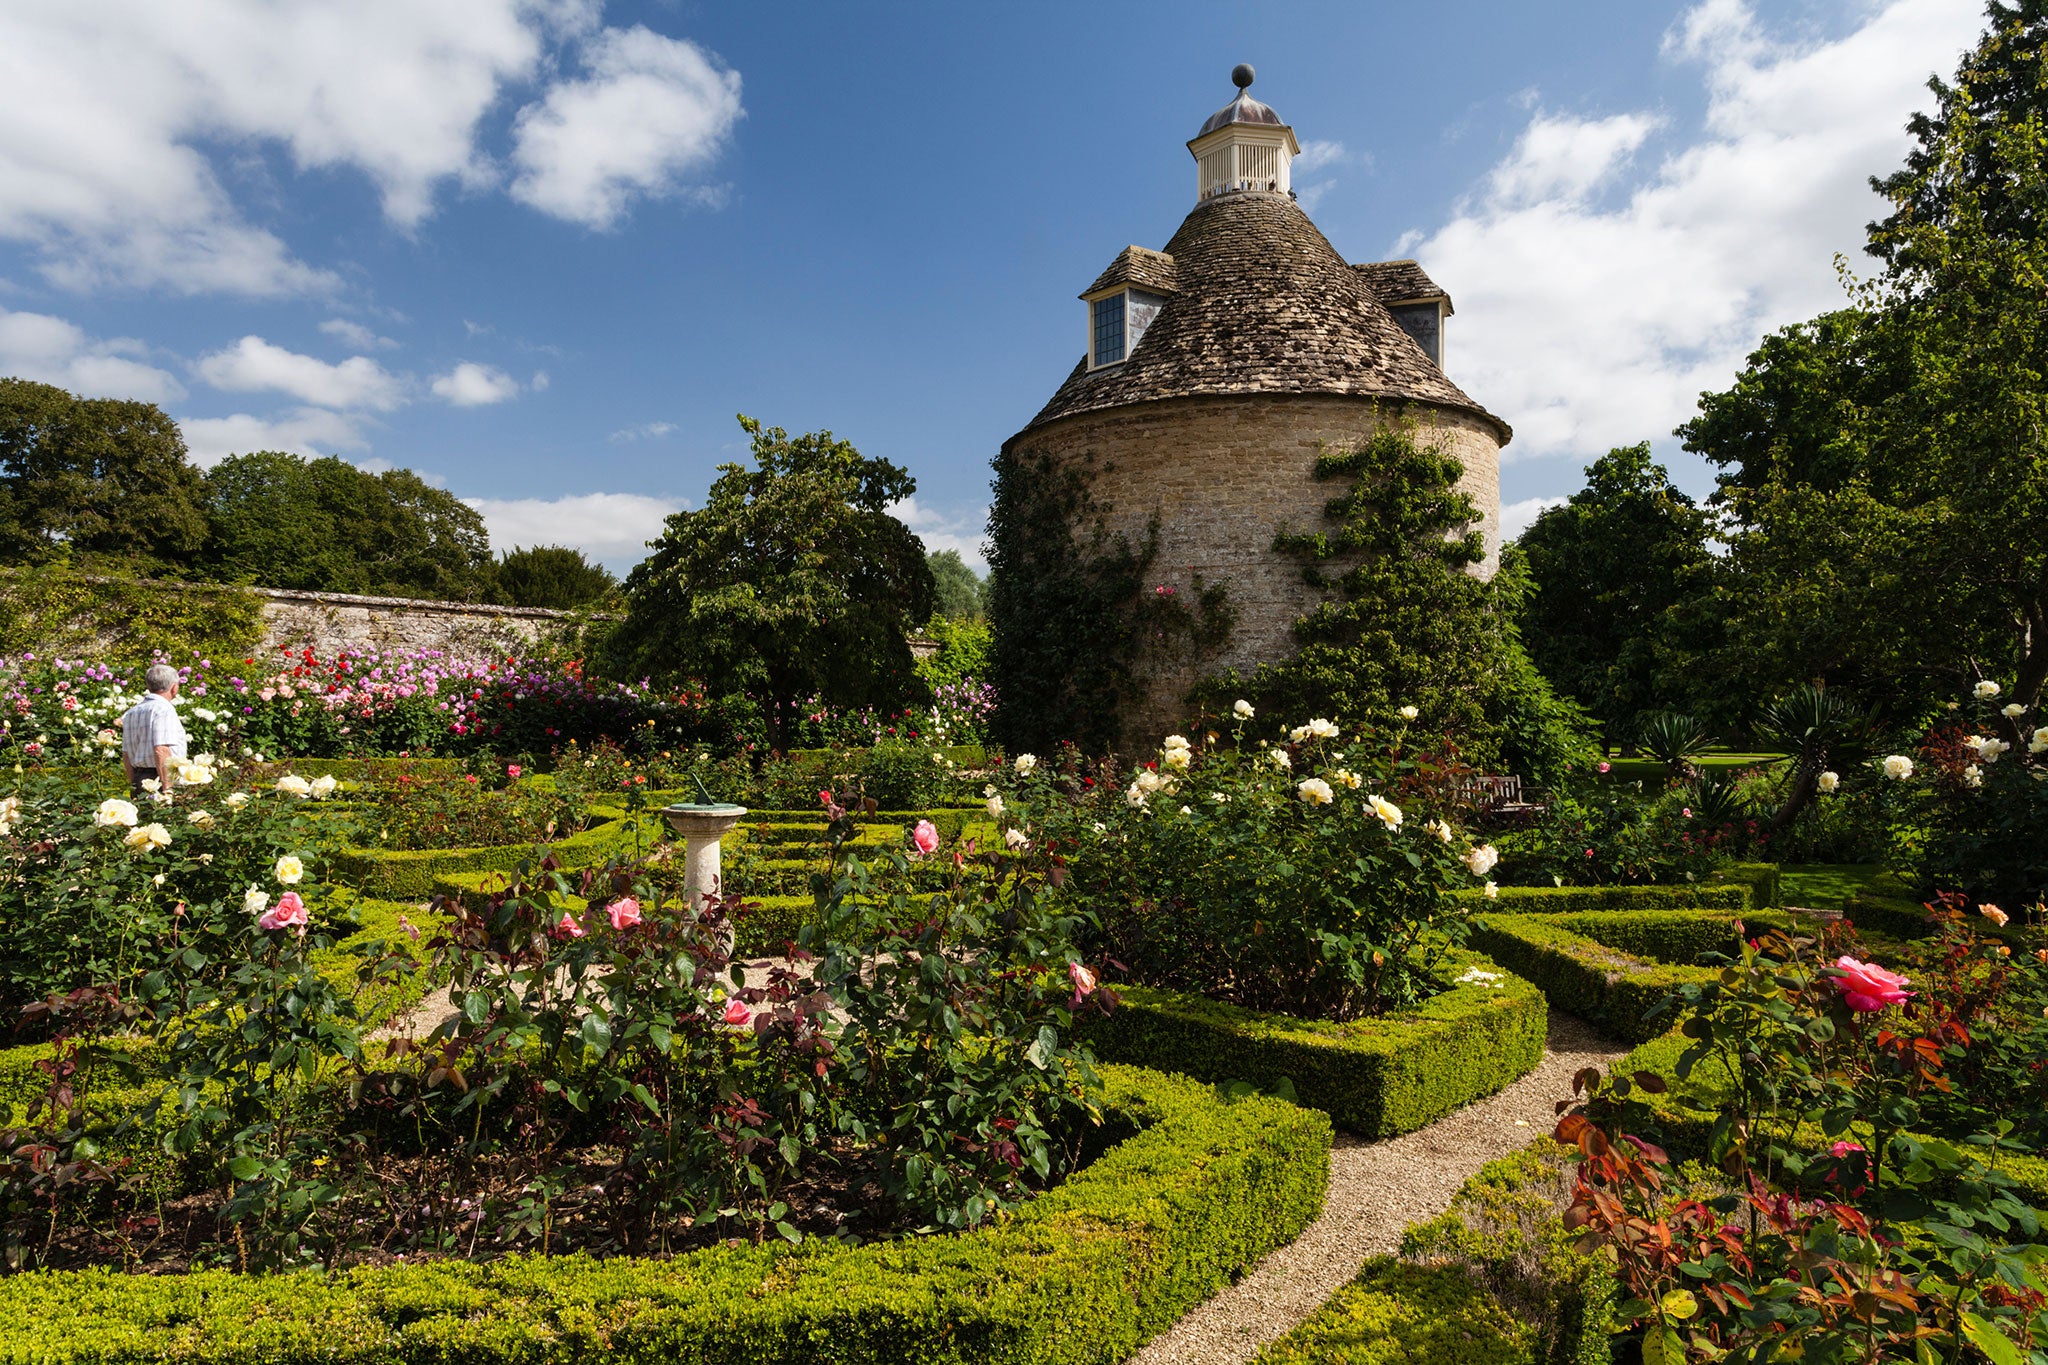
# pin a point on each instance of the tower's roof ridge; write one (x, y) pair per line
(1263, 304)
(1139, 266)
(1400, 282)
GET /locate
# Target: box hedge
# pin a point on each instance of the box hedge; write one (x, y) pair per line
(1395, 1313)
(1200, 1190)
(1374, 1077)
(1615, 967)
(1742, 886)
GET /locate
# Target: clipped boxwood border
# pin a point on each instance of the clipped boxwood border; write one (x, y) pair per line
(1742, 886)
(1201, 1191)
(1611, 966)
(1374, 1077)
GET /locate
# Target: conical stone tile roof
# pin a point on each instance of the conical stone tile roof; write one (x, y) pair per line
(1262, 304)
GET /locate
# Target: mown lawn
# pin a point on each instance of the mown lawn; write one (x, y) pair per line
(1824, 886)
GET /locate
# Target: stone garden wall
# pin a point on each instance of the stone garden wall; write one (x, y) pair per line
(328, 621)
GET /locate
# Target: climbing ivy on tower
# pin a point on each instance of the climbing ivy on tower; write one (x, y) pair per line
(1073, 612)
(1406, 620)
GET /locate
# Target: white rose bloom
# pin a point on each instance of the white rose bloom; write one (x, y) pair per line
(1987, 689)
(1481, 858)
(1187, 810)
(1973, 776)
(1899, 767)
(2013, 711)
(148, 836)
(289, 869)
(995, 806)
(115, 811)
(200, 819)
(1015, 838)
(1410, 712)
(1135, 796)
(2039, 743)
(238, 798)
(1177, 759)
(1441, 830)
(1828, 782)
(194, 774)
(324, 785)
(1100, 828)
(255, 902)
(1220, 798)
(291, 784)
(1388, 812)
(1148, 781)
(1175, 742)
(1297, 734)
(1347, 778)
(1316, 792)
(159, 879)
(1025, 763)
(1243, 709)
(1281, 760)
(1492, 891)
(1322, 729)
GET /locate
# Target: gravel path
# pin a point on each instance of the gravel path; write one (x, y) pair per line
(1376, 1190)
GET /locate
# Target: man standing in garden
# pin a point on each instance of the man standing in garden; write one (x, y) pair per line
(152, 736)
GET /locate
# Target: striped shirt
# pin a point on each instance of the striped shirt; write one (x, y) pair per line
(147, 724)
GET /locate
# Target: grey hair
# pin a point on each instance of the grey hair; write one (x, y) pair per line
(160, 677)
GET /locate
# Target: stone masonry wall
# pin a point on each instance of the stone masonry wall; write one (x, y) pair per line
(328, 621)
(1223, 476)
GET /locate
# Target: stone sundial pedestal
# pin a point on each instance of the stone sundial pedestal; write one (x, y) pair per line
(702, 825)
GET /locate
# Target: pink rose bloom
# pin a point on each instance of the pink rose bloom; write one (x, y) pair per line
(1603, 765)
(512, 770)
(288, 913)
(1843, 1148)
(625, 913)
(569, 928)
(1083, 979)
(737, 1014)
(1867, 988)
(925, 838)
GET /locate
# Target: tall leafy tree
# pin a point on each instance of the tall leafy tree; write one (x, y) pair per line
(792, 580)
(1886, 471)
(1609, 570)
(552, 576)
(284, 521)
(101, 482)
(958, 588)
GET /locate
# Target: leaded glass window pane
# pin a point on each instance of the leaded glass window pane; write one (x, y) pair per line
(1109, 329)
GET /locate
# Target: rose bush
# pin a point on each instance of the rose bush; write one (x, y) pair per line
(1306, 873)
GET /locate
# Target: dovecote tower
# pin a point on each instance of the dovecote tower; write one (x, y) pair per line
(1215, 372)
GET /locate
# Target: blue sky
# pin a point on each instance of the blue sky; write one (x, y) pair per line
(543, 251)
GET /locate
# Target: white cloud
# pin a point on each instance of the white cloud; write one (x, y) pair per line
(1517, 517)
(253, 365)
(960, 529)
(53, 351)
(651, 110)
(305, 431)
(612, 528)
(646, 431)
(118, 114)
(470, 385)
(540, 381)
(1598, 294)
(356, 335)
(1317, 154)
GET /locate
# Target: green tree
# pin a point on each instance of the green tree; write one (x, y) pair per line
(1609, 568)
(283, 521)
(552, 576)
(958, 588)
(1886, 469)
(101, 482)
(792, 580)
(1408, 621)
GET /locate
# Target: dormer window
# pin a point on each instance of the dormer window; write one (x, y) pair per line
(1117, 322)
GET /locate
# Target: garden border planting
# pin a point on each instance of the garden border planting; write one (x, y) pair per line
(1620, 973)
(1374, 1077)
(1202, 1190)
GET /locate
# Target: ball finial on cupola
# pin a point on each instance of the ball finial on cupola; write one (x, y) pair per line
(1242, 75)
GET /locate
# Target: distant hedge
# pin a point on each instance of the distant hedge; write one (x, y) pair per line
(1613, 966)
(1200, 1190)
(1741, 886)
(122, 620)
(1374, 1077)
